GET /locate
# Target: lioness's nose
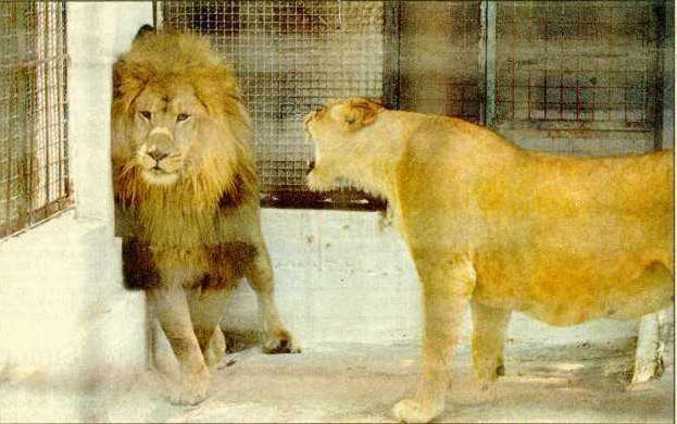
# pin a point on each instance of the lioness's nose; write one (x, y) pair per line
(157, 154)
(307, 118)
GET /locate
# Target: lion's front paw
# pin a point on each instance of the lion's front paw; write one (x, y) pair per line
(316, 182)
(280, 341)
(411, 411)
(192, 388)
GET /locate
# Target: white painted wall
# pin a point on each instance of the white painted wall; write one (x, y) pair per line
(64, 314)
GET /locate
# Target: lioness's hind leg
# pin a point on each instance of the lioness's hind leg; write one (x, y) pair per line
(652, 291)
(276, 338)
(489, 327)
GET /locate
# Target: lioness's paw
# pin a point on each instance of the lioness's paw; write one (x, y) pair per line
(192, 389)
(280, 341)
(476, 392)
(489, 370)
(411, 411)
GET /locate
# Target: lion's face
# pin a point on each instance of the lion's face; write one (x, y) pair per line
(166, 133)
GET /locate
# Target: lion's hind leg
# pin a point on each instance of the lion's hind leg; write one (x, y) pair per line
(206, 310)
(215, 352)
(276, 338)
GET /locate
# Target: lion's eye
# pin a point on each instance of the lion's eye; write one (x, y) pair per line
(182, 117)
(147, 115)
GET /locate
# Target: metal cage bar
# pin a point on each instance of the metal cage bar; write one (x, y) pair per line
(33, 142)
(580, 63)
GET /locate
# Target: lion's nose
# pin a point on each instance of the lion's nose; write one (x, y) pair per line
(310, 165)
(157, 154)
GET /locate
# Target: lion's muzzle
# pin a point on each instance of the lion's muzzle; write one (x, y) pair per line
(157, 154)
(160, 157)
(160, 145)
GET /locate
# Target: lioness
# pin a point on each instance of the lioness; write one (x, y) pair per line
(561, 239)
(186, 199)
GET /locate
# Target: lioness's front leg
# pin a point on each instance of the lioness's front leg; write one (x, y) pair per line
(489, 326)
(447, 285)
(171, 309)
(276, 338)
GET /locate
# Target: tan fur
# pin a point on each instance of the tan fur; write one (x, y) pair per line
(186, 198)
(560, 238)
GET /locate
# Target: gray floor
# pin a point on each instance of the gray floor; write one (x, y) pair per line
(360, 383)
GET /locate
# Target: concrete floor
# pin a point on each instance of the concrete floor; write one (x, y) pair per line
(360, 383)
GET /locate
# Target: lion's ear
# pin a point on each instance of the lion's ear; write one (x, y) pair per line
(145, 29)
(359, 113)
(128, 82)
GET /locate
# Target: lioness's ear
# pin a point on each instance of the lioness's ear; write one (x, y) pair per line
(358, 113)
(368, 108)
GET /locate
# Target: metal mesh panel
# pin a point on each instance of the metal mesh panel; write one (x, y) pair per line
(33, 153)
(587, 64)
(441, 63)
(290, 57)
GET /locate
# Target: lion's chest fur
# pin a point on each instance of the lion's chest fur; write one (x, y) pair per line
(191, 246)
(183, 227)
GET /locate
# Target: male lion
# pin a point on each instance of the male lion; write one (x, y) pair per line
(562, 239)
(186, 198)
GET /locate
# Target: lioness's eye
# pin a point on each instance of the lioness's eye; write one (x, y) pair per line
(145, 114)
(182, 117)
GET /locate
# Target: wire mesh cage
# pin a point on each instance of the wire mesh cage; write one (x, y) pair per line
(577, 77)
(583, 64)
(441, 52)
(33, 143)
(291, 57)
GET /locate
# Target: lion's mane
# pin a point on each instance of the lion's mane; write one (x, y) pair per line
(222, 179)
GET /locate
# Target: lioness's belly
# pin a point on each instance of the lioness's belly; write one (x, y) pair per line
(564, 288)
